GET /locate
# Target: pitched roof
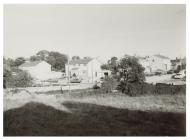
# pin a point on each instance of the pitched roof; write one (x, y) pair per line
(161, 56)
(80, 61)
(30, 64)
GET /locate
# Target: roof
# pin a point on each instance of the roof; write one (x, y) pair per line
(30, 64)
(161, 56)
(80, 61)
(175, 60)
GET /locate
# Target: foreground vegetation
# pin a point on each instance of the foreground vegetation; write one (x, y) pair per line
(154, 110)
(35, 119)
(85, 113)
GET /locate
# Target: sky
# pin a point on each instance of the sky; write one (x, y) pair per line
(95, 30)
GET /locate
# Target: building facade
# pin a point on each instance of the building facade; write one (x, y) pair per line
(88, 70)
(40, 70)
(178, 63)
(155, 63)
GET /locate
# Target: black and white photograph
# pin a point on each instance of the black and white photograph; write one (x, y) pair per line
(94, 70)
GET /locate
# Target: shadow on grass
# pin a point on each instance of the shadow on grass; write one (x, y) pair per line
(35, 119)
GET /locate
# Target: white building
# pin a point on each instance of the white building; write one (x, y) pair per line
(155, 63)
(88, 69)
(40, 70)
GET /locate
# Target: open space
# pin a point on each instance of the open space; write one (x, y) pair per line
(94, 70)
(114, 114)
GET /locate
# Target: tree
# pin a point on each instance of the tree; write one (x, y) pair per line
(19, 61)
(57, 60)
(43, 54)
(131, 73)
(114, 60)
(9, 62)
(131, 70)
(105, 66)
(87, 57)
(75, 57)
(111, 64)
(35, 58)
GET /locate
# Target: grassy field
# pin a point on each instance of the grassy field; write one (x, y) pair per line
(90, 114)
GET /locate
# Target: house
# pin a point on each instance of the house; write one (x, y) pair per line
(40, 70)
(178, 63)
(155, 63)
(175, 63)
(87, 69)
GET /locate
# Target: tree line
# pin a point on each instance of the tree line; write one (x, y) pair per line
(55, 59)
(14, 77)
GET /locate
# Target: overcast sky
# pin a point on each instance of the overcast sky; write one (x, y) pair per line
(95, 30)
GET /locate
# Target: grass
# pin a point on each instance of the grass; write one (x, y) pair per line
(35, 119)
(84, 113)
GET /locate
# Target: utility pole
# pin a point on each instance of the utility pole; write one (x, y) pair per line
(69, 74)
(92, 71)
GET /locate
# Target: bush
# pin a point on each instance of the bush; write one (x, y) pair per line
(14, 77)
(7, 78)
(109, 84)
(22, 79)
(138, 89)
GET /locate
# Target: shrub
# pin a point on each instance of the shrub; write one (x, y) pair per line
(22, 79)
(138, 89)
(109, 84)
(7, 78)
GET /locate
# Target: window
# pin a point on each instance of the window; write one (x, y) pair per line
(96, 74)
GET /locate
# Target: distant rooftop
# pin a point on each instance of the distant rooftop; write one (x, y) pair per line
(30, 64)
(175, 60)
(182, 60)
(80, 61)
(161, 56)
